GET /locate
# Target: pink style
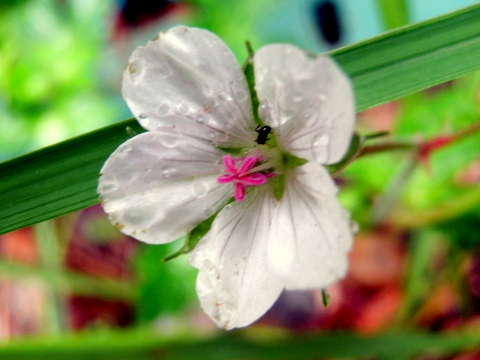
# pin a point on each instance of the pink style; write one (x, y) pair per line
(240, 175)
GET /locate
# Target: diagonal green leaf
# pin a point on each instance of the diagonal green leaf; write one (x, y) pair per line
(58, 179)
(406, 60)
(63, 178)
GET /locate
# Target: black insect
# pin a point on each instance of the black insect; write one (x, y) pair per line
(262, 134)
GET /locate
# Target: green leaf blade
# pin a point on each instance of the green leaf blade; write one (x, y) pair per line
(58, 179)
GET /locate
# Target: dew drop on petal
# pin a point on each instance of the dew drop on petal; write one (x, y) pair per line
(207, 89)
(136, 71)
(200, 189)
(144, 120)
(241, 95)
(201, 119)
(109, 187)
(320, 148)
(167, 172)
(183, 109)
(163, 70)
(169, 140)
(163, 110)
(209, 211)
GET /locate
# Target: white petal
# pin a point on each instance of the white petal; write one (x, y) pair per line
(187, 78)
(310, 234)
(233, 284)
(307, 99)
(159, 185)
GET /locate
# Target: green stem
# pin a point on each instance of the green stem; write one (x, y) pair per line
(449, 209)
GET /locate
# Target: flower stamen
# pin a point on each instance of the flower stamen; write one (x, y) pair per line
(241, 176)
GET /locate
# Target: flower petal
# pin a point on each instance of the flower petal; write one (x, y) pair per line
(159, 185)
(307, 99)
(310, 233)
(233, 284)
(188, 79)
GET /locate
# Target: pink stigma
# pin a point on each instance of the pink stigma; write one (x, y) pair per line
(237, 171)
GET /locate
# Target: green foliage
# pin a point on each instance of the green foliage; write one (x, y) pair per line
(145, 345)
(49, 72)
(160, 291)
(459, 230)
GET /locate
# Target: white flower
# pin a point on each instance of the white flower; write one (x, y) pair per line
(187, 88)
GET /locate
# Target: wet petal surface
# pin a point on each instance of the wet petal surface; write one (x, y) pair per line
(310, 232)
(188, 79)
(308, 101)
(159, 185)
(233, 284)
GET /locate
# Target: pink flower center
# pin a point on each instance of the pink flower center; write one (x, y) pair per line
(238, 172)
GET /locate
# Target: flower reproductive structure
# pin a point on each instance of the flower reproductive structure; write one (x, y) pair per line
(255, 172)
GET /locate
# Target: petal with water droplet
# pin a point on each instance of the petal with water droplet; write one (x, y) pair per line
(233, 284)
(305, 98)
(310, 234)
(187, 78)
(159, 185)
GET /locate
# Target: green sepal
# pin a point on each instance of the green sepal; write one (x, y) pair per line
(353, 150)
(232, 151)
(194, 236)
(376, 135)
(290, 161)
(326, 298)
(250, 76)
(278, 186)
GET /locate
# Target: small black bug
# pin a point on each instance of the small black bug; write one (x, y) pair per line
(262, 134)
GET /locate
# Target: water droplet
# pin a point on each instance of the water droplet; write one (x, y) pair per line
(167, 172)
(209, 212)
(123, 150)
(200, 189)
(163, 70)
(108, 188)
(201, 119)
(322, 97)
(320, 148)
(136, 71)
(144, 120)
(207, 263)
(207, 89)
(169, 140)
(241, 95)
(163, 110)
(183, 109)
